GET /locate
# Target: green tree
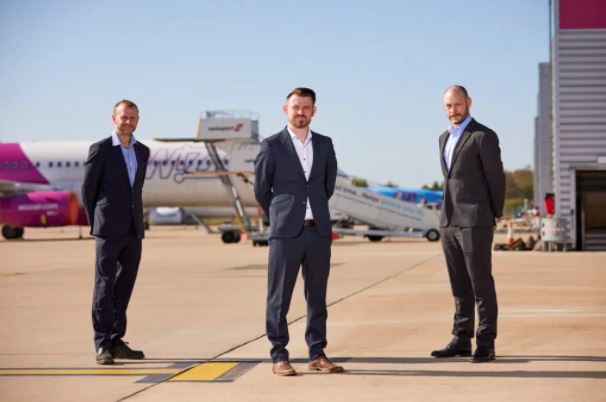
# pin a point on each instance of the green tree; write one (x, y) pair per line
(435, 186)
(359, 182)
(518, 186)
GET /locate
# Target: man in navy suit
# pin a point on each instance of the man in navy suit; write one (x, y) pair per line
(295, 174)
(111, 194)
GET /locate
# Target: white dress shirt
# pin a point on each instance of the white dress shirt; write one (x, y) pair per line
(305, 152)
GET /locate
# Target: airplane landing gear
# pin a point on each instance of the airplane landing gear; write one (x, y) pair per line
(230, 236)
(432, 235)
(12, 232)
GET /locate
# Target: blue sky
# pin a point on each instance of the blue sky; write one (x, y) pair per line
(379, 69)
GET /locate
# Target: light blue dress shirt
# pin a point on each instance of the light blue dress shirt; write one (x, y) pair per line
(130, 157)
(453, 138)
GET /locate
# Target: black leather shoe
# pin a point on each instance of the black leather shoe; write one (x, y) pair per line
(456, 347)
(122, 351)
(483, 353)
(104, 356)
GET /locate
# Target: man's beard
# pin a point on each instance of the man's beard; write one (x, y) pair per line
(300, 122)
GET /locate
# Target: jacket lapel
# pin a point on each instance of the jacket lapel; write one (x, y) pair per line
(315, 144)
(140, 164)
(290, 150)
(457, 150)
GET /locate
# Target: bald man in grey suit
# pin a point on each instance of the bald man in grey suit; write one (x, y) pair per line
(474, 194)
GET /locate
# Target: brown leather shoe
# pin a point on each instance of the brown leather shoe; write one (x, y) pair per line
(283, 368)
(324, 365)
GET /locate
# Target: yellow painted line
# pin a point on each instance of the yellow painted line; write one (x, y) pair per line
(205, 372)
(112, 371)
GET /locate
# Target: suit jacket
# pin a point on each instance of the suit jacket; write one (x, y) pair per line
(111, 205)
(282, 190)
(474, 187)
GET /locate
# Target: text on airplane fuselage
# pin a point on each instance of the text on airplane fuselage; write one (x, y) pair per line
(179, 162)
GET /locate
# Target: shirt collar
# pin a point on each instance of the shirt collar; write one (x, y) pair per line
(461, 128)
(116, 140)
(294, 137)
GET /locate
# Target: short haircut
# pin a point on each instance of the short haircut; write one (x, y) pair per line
(460, 88)
(302, 91)
(127, 103)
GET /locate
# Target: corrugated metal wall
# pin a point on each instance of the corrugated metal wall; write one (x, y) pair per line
(579, 83)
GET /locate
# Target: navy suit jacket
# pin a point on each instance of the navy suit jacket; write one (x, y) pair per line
(282, 190)
(111, 205)
(474, 187)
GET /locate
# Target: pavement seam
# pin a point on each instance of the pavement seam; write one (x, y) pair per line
(372, 285)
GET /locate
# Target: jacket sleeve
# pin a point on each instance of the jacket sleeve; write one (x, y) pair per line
(264, 173)
(93, 169)
(331, 171)
(490, 155)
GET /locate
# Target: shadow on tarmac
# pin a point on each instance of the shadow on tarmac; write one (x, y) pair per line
(500, 361)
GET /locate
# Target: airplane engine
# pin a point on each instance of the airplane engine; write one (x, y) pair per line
(40, 209)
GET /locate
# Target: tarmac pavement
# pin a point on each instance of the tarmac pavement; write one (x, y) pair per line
(198, 313)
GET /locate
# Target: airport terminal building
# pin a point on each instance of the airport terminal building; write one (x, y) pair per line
(576, 170)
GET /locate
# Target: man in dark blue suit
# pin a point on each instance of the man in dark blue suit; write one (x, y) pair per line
(111, 194)
(295, 174)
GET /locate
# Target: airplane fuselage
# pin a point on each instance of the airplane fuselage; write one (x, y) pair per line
(175, 172)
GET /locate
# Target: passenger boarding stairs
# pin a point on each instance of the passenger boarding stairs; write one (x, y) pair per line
(386, 216)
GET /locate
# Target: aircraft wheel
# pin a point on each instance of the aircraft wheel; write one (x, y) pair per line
(12, 232)
(230, 236)
(375, 238)
(432, 235)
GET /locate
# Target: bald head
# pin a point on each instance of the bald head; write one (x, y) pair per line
(457, 88)
(456, 104)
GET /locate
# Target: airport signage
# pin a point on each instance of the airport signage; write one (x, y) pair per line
(225, 128)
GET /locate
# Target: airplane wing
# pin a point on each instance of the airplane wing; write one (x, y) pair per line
(9, 188)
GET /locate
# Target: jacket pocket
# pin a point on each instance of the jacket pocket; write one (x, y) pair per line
(280, 198)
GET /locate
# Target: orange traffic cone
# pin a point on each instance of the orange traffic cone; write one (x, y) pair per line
(510, 239)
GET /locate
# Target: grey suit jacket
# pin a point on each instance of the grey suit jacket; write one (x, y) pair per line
(111, 205)
(282, 190)
(474, 187)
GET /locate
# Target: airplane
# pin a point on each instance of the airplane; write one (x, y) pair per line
(40, 181)
(414, 195)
